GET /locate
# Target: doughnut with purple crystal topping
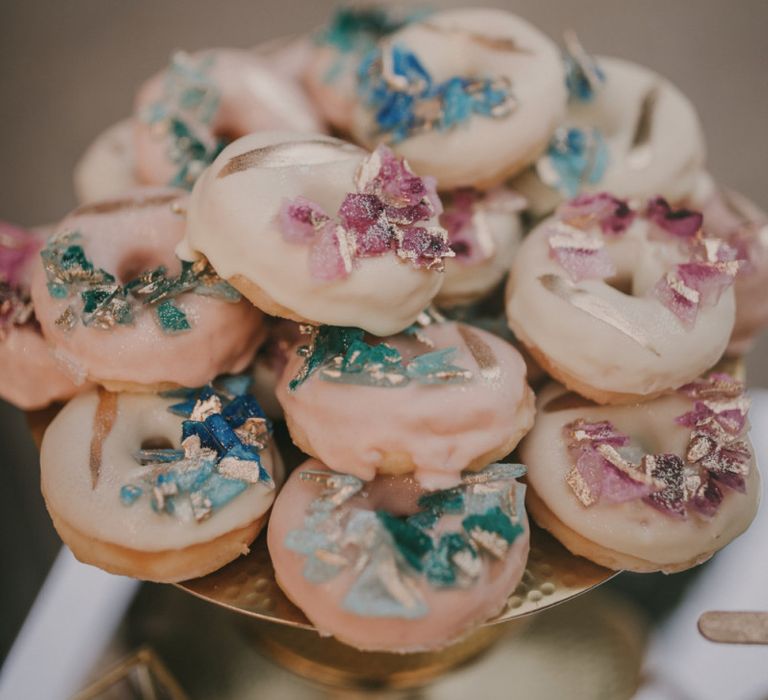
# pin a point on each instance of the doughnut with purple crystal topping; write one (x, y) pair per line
(643, 301)
(659, 486)
(317, 230)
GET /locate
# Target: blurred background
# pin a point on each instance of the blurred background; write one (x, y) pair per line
(69, 69)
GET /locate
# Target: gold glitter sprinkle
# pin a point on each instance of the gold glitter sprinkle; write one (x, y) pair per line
(491, 542)
(277, 155)
(681, 288)
(597, 308)
(103, 422)
(468, 563)
(482, 352)
(68, 320)
(641, 474)
(242, 469)
(254, 432)
(580, 487)
(205, 407)
(699, 447)
(111, 206)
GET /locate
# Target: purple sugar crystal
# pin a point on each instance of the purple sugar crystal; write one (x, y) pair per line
(613, 215)
(684, 224)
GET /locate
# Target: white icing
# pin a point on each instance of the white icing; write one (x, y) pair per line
(232, 221)
(670, 165)
(483, 149)
(600, 355)
(632, 528)
(98, 512)
(106, 169)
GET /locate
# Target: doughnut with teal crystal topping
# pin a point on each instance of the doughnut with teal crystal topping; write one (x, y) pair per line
(439, 399)
(160, 487)
(187, 113)
(317, 230)
(107, 168)
(622, 303)
(338, 49)
(735, 219)
(658, 486)
(388, 566)
(628, 131)
(484, 231)
(30, 375)
(471, 96)
(122, 310)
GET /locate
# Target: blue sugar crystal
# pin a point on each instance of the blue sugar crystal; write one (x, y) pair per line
(494, 520)
(159, 456)
(442, 502)
(171, 318)
(223, 436)
(580, 87)
(457, 104)
(578, 157)
(193, 427)
(130, 493)
(220, 490)
(411, 542)
(371, 595)
(235, 384)
(327, 342)
(190, 480)
(241, 408)
(438, 567)
(435, 367)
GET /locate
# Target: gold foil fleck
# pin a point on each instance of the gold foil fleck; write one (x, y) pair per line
(111, 206)
(103, 422)
(580, 488)
(597, 308)
(481, 352)
(274, 155)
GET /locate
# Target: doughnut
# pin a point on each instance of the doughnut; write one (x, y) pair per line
(632, 133)
(107, 169)
(438, 400)
(386, 566)
(161, 488)
(187, 112)
(470, 96)
(316, 230)
(658, 486)
(619, 303)
(743, 225)
(330, 75)
(288, 56)
(30, 376)
(121, 309)
(484, 231)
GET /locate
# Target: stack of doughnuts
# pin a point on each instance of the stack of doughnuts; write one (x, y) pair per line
(492, 213)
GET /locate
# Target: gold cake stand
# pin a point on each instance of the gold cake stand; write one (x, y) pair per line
(280, 630)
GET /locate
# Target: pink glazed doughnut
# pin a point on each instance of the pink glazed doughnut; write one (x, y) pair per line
(386, 566)
(114, 300)
(186, 113)
(30, 375)
(439, 400)
(658, 486)
(741, 223)
(622, 304)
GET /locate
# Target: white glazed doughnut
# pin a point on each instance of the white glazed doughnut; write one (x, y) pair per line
(634, 135)
(331, 74)
(107, 168)
(113, 299)
(743, 225)
(187, 112)
(315, 229)
(484, 231)
(619, 304)
(348, 554)
(659, 486)
(469, 96)
(168, 514)
(30, 375)
(437, 401)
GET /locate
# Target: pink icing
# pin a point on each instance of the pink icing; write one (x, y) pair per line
(223, 338)
(441, 428)
(453, 611)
